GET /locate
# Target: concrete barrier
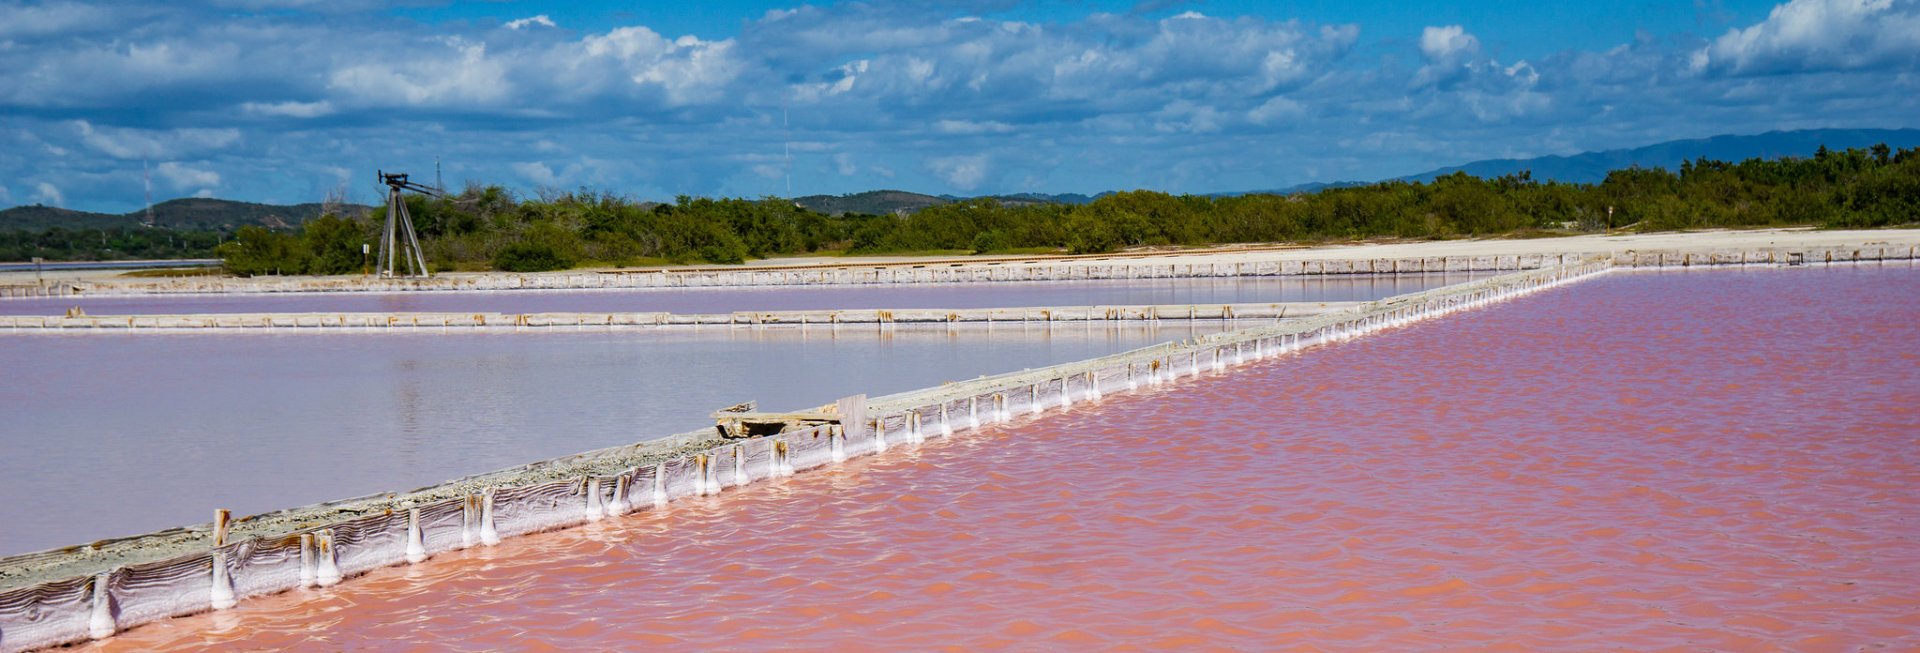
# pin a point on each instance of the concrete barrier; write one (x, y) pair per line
(78, 593)
(363, 321)
(1158, 267)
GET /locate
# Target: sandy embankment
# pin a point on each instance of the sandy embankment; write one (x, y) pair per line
(1587, 244)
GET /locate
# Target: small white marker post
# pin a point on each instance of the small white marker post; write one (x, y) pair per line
(416, 541)
(100, 624)
(595, 511)
(308, 574)
(326, 571)
(222, 595)
(488, 536)
(619, 505)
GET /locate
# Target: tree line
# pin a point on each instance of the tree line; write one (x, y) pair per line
(488, 227)
(113, 244)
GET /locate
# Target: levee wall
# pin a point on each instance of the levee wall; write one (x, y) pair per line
(963, 272)
(1271, 311)
(851, 275)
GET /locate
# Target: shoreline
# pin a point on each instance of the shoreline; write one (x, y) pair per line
(1234, 260)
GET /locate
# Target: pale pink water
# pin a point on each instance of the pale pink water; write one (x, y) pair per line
(1704, 461)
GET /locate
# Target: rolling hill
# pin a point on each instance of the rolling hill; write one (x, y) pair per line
(1592, 167)
(190, 214)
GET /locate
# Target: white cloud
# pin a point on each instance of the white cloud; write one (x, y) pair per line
(183, 176)
(533, 21)
(842, 163)
(48, 194)
(125, 143)
(288, 109)
(963, 172)
(460, 74)
(688, 69)
(1275, 111)
(30, 20)
(972, 127)
(1447, 43)
(538, 173)
(1812, 35)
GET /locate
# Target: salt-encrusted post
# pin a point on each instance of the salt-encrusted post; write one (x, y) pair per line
(101, 624)
(416, 541)
(222, 595)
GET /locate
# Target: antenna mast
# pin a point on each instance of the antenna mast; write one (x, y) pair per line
(398, 239)
(148, 175)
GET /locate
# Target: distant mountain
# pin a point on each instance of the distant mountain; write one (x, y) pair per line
(1025, 199)
(873, 202)
(1309, 187)
(1592, 167)
(882, 202)
(192, 214)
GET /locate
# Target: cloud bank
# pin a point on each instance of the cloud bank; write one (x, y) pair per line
(278, 105)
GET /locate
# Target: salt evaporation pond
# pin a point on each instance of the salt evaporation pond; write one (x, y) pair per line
(104, 435)
(1676, 461)
(1116, 292)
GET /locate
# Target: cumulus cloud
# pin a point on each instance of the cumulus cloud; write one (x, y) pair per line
(533, 21)
(1194, 102)
(1448, 43)
(1814, 35)
(129, 143)
(1276, 110)
(538, 173)
(48, 194)
(183, 176)
(964, 172)
(461, 73)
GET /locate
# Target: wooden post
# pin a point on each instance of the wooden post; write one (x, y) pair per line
(853, 416)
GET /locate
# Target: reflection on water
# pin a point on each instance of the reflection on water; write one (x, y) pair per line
(1704, 461)
(726, 300)
(114, 434)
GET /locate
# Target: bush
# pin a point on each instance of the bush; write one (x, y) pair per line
(530, 257)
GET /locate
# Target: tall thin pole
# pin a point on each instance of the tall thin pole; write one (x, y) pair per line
(386, 242)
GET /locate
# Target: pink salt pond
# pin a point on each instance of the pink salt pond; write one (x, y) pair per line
(1647, 461)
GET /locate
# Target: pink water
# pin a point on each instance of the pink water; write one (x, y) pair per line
(1686, 462)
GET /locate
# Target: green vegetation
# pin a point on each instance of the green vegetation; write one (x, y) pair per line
(112, 244)
(489, 228)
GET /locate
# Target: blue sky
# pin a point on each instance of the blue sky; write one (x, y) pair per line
(286, 100)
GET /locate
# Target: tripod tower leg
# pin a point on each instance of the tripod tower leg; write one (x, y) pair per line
(417, 259)
(387, 241)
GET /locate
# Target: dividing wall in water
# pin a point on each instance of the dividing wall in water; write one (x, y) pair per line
(191, 570)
